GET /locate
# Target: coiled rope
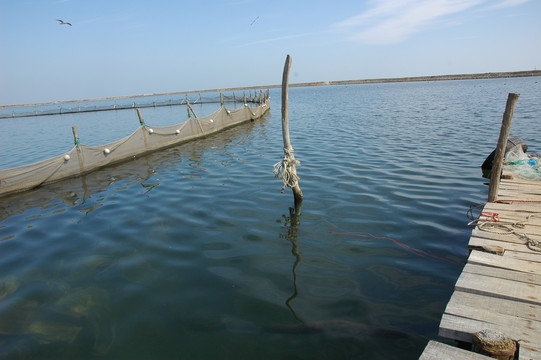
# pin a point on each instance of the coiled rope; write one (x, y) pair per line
(284, 169)
(494, 225)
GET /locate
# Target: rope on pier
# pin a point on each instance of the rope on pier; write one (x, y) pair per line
(492, 224)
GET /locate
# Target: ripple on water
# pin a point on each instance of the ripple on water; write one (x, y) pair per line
(193, 251)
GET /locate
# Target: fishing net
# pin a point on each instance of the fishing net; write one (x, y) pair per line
(82, 159)
(521, 165)
(120, 103)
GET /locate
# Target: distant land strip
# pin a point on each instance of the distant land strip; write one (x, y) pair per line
(490, 75)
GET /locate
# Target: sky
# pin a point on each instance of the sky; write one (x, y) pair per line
(119, 48)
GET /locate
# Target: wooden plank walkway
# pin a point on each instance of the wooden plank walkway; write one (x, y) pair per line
(500, 286)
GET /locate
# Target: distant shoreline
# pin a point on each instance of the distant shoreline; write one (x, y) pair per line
(491, 75)
(495, 75)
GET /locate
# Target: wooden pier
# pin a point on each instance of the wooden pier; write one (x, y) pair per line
(499, 290)
(500, 286)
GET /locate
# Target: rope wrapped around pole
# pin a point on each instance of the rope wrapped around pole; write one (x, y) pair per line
(286, 170)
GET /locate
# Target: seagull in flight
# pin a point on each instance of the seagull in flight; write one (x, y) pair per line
(254, 21)
(62, 22)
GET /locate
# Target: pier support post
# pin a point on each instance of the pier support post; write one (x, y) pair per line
(494, 344)
(499, 155)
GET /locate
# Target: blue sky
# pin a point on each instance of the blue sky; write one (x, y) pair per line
(117, 48)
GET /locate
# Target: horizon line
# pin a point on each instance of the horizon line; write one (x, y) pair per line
(488, 75)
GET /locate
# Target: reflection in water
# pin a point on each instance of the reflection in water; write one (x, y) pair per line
(292, 223)
(135, 171)
(43, 317)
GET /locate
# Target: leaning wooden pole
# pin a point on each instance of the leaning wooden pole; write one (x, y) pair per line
(499, 155)
(79, 155)
(287, 167)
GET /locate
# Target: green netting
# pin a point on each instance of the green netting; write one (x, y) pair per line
(521, 165)
(82, 159)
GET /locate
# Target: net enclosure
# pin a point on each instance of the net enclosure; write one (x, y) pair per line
(82, 159)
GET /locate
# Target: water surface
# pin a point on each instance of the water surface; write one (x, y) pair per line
(194, 253)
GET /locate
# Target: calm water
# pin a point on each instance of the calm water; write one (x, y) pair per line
(193, 252)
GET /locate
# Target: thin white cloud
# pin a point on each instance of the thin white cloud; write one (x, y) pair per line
(285, 37)
(393, 21)
(507, 3)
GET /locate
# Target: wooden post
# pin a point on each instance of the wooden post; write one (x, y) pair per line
(499, 155)
(79, 154)
(141, 121)
(288, 149)
(494, 344)
(75, 137)
(222, 99)
(196, 118)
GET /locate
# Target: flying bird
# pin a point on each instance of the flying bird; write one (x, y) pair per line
(62, 22)
(254, 21)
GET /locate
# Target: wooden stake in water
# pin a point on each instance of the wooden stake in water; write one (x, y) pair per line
(499, 155)
(79, 155)
(75, 137)
(140, 117)
(196, 118)
(289, 162)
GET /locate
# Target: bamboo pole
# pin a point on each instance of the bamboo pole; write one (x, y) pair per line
(288, 149)
(499, 155)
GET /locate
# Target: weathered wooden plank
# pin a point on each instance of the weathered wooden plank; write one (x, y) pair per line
(462, 329)
(476, 242)
(501, 306)
(527, 329)
(524, 191)
(527, 334)
(513, 215)
(501, 288)
(519, 205)
(478, 257)
(520, 183)
(528, 352)
(522, 194)
(532, 256)
(437, 351)
(503, 274)
(510, 237)
(512, 207)
(517, 195)
(507, 249)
